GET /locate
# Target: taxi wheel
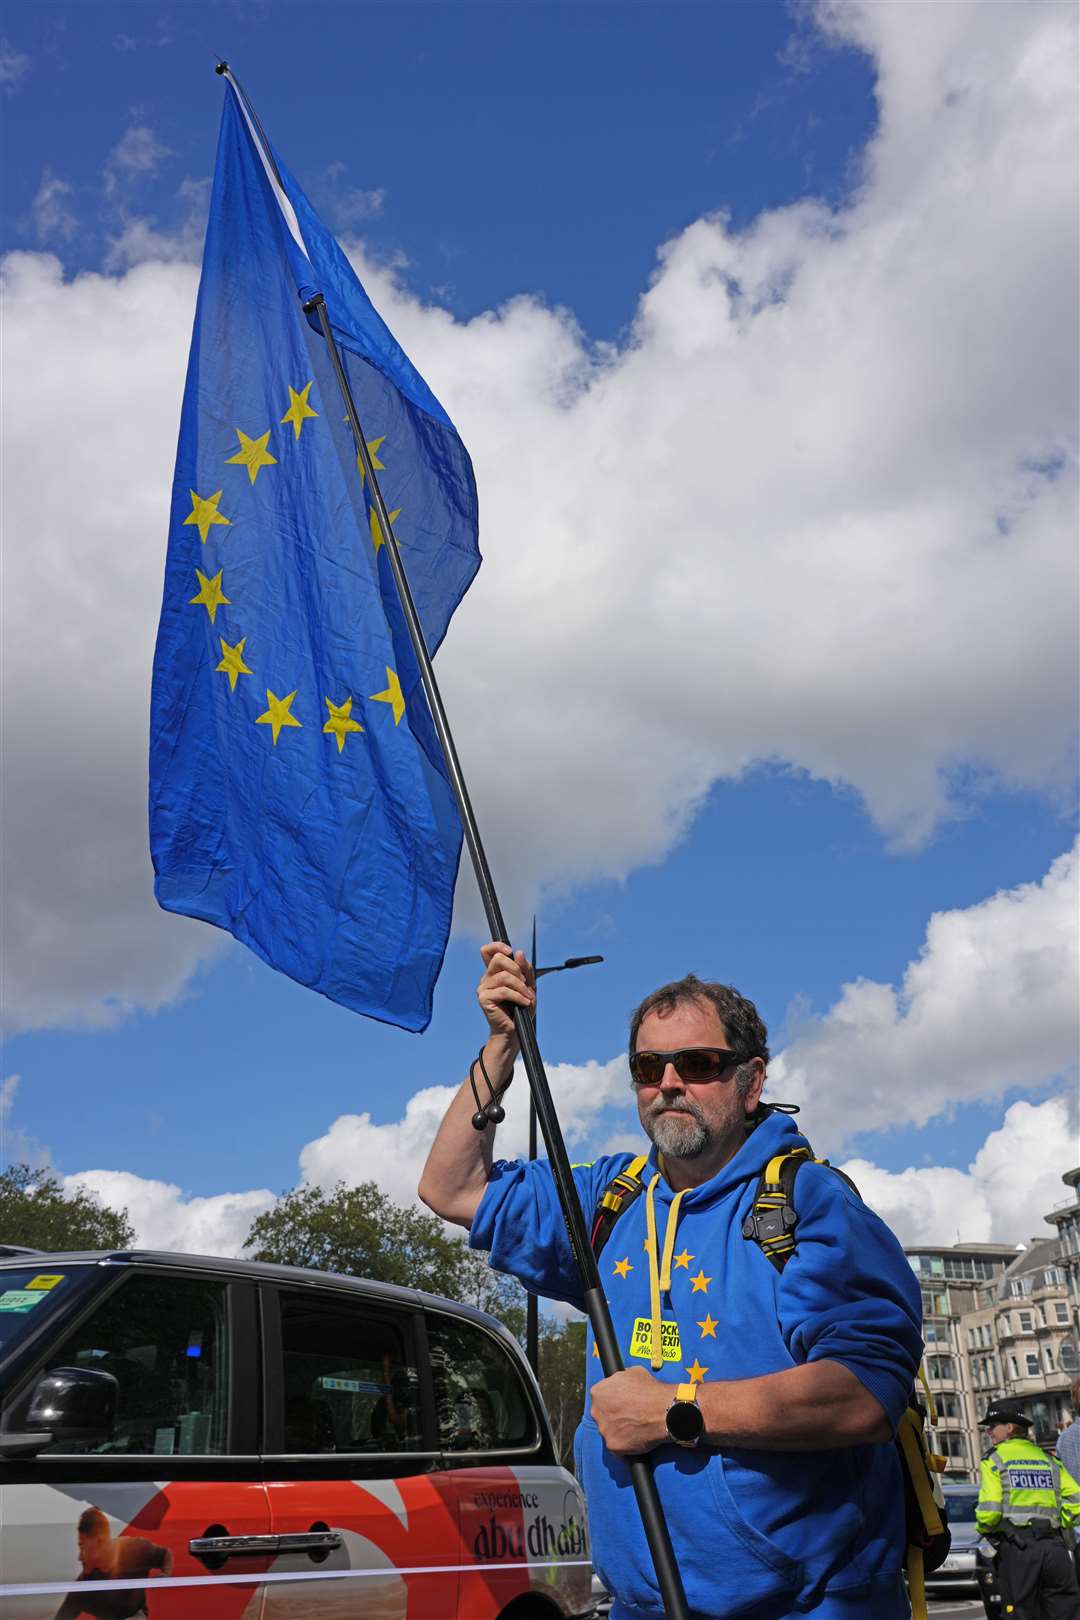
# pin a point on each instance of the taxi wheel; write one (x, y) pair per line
(530, 1608)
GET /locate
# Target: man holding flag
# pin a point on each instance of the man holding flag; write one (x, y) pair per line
(305, 791)
(767, 1398)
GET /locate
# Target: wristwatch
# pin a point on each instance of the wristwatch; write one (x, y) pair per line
(685, 1423)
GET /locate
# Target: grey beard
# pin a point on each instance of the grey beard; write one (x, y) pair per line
(684, 1138)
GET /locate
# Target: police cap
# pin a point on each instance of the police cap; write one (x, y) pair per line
(1005, 1411)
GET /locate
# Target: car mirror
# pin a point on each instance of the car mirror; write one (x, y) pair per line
(76, 1405)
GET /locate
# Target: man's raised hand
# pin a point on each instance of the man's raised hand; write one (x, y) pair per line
(508, 981)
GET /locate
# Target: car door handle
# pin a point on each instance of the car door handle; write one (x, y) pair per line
(232, 1546)
(310, 1541)
(260, 1546)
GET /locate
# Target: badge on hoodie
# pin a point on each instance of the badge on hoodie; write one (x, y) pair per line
(641, 1340)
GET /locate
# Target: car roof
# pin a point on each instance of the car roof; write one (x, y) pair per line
(254, 1271)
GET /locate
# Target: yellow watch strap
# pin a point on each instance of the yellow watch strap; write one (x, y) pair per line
(686, 1392)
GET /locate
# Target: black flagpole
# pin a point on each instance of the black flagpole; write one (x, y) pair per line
(652, 1515)
(532, 1304)
(532, 1310)
(657, 1535)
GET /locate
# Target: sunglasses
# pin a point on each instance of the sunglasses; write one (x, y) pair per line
(691, 1063)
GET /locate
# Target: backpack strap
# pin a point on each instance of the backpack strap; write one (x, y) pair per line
(620, 1192)
(773, 1216)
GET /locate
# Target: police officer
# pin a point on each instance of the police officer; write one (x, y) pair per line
(1026, 1501)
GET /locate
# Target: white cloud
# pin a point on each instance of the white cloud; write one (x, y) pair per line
(348, 206)
(164, 1217)
(989, 1004)
(1002, 1197)
(84, 940)
(137, 153)
(820, 509)
(141, 239)
(51, 217)
(356, 1149)
(13, 64)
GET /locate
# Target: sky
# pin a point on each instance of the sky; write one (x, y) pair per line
(759, 323)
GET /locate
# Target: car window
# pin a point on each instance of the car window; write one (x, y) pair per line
(480, 1400)
(27, 1296)
(961, 1505)
(165, 1341)
(350, 1378)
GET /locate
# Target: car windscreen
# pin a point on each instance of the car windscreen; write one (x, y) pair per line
(961, 1505)
(30, 1293)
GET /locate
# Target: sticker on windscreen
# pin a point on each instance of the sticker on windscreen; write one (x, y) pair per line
(45, 1280)
(20, 1300)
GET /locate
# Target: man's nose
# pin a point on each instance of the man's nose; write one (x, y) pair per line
(670, 1080)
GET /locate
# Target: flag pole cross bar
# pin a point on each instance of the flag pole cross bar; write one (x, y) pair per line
(652, 1516)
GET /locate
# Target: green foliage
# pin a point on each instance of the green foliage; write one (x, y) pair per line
(562, 1381)
(37, 1213)
(362, 1233)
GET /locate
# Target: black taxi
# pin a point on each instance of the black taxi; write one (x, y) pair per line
(182, 1435)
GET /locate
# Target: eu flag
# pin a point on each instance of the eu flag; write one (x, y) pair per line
(298, 794)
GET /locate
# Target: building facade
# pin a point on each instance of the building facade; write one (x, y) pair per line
(1065, 1216)
(1001, 1320)
(957, 1280)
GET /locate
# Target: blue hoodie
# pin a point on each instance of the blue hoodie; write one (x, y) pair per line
(762, 1534)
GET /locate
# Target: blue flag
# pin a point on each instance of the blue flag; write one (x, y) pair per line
(298, 794)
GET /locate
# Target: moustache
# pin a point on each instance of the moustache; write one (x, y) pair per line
(684, 1107)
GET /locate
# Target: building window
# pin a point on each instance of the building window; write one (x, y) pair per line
(1062, 1311)
(1032, 1364)
(1026, 1323)
(939, 1367)
(1013, 1368)
(1048, 1357)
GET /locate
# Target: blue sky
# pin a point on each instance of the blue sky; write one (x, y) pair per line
(751, 686)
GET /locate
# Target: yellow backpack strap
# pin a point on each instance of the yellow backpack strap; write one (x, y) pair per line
(617, 1196)
(931, 1404)
(772, 1218)
(916, 1583)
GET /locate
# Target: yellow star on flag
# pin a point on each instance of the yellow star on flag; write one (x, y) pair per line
(376, 527)
(253, 454)
(232, 663)
(700, 1283)
(340, 722)
(708, 1327)
(647, 1245)
(277, 714)
(683, 1259)
(211, 596)
(299, 410)
(377, 465)
(393, 695)
(696, 1372)
(204, 513)
(623, 1268)
(596, 1352)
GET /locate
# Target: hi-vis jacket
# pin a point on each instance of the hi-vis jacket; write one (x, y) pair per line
(1020, 1482)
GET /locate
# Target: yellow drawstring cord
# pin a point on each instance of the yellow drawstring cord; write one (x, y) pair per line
(659, 1269)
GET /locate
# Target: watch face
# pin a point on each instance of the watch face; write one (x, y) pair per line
(685, 1423)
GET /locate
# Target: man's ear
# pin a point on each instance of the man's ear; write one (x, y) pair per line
(753, 1092)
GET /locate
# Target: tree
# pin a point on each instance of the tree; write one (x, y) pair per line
(362, 1233)
(37, 1213)
(492, 1291)
(562, 1381)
